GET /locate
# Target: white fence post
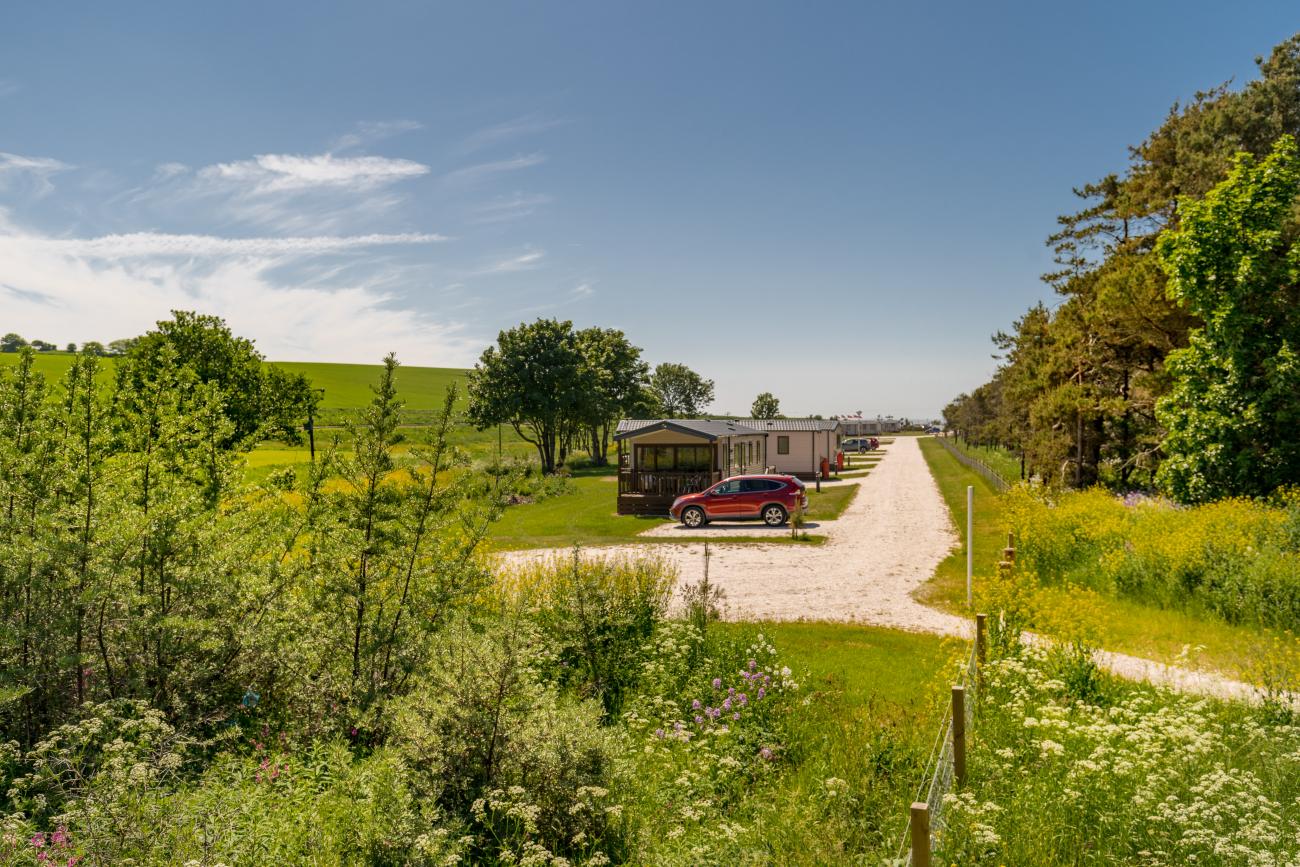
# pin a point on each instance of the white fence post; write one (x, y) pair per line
(970, 541)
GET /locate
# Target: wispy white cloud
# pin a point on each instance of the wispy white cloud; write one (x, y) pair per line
(281, 173)
(512, 207)
(521, 126)
(104, 288)
(475, 173)
(369, 132)
(523, 262)
(284, 193)
(582, 290)
(143, 244)
(165, 171)
(38, 165)
(34, 172)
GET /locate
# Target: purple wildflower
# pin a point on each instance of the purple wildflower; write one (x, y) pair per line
(695, 705)
(699, 720)
(765, 754)
(659, 733)
(677, 726)
(753, 664)
(761, 692)
(735, 716)
(731, 690)
(743, 699)
(726, 704)
(717, 683)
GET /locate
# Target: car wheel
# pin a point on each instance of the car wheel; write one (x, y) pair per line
(774, 515)
(693, 516)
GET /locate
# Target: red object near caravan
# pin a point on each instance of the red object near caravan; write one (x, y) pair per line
(770, 498)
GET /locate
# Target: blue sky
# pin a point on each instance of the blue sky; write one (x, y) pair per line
(835, 202)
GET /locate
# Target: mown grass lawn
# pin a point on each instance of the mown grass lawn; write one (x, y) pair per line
(830, 502)
(1130, 627)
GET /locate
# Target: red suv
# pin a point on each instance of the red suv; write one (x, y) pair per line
(771, 498)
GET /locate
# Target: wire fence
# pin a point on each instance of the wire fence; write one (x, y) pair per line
(941, 766)
(990, 474)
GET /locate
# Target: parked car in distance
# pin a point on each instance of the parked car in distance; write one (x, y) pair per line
(770, 498)
(860, 444)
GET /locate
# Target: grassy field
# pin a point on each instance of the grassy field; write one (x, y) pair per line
(1130, 627)
(347, 386)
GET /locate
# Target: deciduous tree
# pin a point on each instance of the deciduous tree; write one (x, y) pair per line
(533, 380)
(679, 392)
(765, 406)
(1233, 414)
(616, 380)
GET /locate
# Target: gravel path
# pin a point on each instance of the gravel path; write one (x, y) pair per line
(884, 546)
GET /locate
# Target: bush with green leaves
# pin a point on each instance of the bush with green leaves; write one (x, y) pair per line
(486, 737)
(597, 614)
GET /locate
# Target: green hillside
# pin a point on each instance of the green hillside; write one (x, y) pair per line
(347, 386)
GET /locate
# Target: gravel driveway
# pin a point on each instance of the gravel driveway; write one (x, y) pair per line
(885, 544)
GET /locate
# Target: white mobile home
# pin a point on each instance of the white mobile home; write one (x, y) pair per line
(798, 445)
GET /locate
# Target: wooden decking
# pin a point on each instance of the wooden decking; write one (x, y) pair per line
(651, 492)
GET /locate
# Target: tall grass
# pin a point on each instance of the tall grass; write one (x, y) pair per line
(1238, 560)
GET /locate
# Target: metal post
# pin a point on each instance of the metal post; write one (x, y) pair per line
(959, 734)
(920, 826)
(970, 539)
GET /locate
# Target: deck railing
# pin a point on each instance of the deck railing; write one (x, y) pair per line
(656, 483)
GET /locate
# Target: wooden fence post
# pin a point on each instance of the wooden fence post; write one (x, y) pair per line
(981, 647)
(959, 734)
(920, 826)
(1008, 561)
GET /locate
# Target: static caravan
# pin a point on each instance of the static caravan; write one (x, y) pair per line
(798, 445)
(661, 459)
